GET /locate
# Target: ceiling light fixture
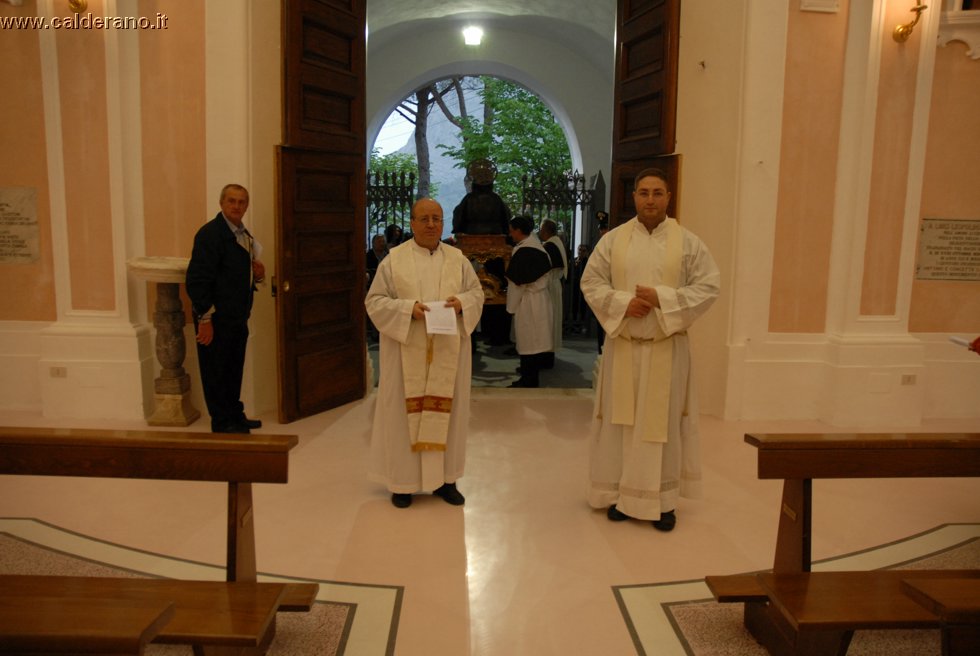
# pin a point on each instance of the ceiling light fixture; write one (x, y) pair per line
(472, 35)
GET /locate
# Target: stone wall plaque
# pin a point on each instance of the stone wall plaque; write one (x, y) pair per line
(19, 235)
(949, 249)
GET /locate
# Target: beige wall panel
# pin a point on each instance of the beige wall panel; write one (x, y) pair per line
(176, 201)
(28, 288)
(950, 188)
(808, 160)
(172, 95)
(82, 77)
(889, 169)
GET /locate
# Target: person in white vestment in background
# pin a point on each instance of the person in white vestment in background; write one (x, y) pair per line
(418, 440)
(528, 300)
(548, 234)
(647, 281)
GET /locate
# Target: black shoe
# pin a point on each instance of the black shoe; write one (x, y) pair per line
(251, 423)
(523, 383)
(666, 522)
(615, 516)
(401, 500)
(450, 494)
(233, 427)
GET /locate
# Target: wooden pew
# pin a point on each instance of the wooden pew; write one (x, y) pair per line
(239, 460)
(799, 458)
(957, 603)
(69, 614)
(823, 609)
(53, 625)
(793, 611)
(217, 618)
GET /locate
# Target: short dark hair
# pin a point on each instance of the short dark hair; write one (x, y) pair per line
(522, 223)
(651, 173)
(227, 187)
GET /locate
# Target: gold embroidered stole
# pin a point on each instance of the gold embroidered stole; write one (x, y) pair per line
(656, 396)
(429, 362)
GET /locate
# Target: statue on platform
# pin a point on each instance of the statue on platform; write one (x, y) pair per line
(482, 211)
(481, 223)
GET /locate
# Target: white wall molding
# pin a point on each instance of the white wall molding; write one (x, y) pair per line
(96, 370)
(865, 370)
(94, 363)
(20, 352)
(959, 25)
(859, 107)
(55, 148)
(227, 89)
(757, 170)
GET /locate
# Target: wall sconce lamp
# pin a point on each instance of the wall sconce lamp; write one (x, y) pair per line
(472, 35)
(903, 32)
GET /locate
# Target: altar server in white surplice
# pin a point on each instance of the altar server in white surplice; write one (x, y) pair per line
(528, 300)
(647, 281)
(418, 440)
(548, 234)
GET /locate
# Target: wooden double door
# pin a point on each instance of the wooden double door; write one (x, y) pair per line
(320, 274)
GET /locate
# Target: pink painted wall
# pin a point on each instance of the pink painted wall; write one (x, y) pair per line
(28, 288)
(85, 138)
(889, 168)
(950, 187)
(808, 162)
(172, 96)
(172, 70)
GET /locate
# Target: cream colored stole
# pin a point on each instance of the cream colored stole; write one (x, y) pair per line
(656, 396)
(429, 362)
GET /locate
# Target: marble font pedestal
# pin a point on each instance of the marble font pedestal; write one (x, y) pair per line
(173, 405)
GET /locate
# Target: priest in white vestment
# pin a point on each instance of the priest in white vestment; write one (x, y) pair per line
(647, 281)
(418, 440)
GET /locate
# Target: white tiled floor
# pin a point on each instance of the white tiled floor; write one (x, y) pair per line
(525, 568)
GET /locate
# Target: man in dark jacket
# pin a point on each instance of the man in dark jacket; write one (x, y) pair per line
(221, 278)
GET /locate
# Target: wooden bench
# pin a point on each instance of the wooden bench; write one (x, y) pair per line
(68, 614)
(237, 616)
(52, 625)
(239, 460)
(957, 603)
(793, 611)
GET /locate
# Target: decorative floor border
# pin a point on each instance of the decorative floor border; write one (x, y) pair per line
(375, 608)
(644, 605)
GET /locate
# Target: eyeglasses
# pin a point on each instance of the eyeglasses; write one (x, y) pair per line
(428, 221)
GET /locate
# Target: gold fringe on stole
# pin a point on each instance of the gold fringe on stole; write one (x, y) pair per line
(418, 447)
(657, 392)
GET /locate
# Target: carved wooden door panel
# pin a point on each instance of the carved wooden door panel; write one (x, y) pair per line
(321, 210)
(645, 111)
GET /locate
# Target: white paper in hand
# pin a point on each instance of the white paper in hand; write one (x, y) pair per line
(440, 320)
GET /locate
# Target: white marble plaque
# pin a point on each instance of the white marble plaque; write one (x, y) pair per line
(949, 249)
(19, 240)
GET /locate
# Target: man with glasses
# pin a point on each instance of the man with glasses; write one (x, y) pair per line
(425, 301)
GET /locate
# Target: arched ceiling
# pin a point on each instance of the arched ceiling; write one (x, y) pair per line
(583, 26)
(594, 15)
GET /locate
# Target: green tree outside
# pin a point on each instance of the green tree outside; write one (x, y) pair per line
(518, 133)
